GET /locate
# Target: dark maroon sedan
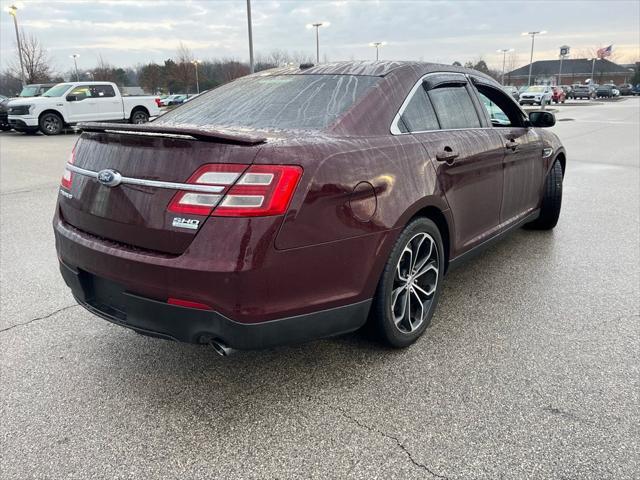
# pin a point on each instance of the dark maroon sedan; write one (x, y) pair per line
(298, 203)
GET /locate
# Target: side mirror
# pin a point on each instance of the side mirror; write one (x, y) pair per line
(72, 98)
(542, 119)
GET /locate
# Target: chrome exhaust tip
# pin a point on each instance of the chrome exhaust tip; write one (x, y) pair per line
(221, 349)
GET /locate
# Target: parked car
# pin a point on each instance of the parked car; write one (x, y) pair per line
(625, 89)
(177, 100)
(540, 94)
(606, 91)
(567, 90)
(70, 103)
(260, 214)
(636, 89)
(513, 91)
(35, 89)
(582, 91)
(4, 118)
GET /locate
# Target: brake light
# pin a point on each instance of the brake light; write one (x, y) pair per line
(216, 175)
(263, 190)
(158, 102)
(67, 177)
(245, 191)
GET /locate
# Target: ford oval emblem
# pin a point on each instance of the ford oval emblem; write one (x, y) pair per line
(109, 178)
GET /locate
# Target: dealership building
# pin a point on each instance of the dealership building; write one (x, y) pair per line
(578, 70)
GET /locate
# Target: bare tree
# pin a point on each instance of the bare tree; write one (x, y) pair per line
(36, 61)
(183, 71)
(103, 71)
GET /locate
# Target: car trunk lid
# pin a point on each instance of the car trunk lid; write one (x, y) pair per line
(151, 160)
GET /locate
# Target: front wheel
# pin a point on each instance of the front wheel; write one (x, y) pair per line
(51, 124)
(551, 200)
(410, 285)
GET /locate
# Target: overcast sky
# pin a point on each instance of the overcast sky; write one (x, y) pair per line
(129, 32)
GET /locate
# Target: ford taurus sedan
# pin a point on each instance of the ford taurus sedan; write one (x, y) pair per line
(296, 204)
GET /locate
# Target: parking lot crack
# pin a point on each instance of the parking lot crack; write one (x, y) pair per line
(397, 441)
(44, 317)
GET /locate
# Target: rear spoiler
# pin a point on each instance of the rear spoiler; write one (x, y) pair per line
(151, 129)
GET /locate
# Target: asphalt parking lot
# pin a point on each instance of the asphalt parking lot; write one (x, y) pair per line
(529, 370)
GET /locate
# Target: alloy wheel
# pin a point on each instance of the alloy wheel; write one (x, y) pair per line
(415, 282)
(51, 123)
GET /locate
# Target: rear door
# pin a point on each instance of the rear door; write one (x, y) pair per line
(109, 104)
(443, 115)
(523, 164)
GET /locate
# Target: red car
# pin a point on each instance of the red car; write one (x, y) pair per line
(298, 203)
(559, 95)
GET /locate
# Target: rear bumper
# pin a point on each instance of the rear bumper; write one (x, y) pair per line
(112, 302)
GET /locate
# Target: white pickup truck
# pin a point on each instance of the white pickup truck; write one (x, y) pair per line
(74, 102)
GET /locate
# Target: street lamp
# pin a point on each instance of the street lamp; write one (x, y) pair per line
(196, 62)
(251, 65)
(75, 62)
(504, 52)
(13, 11)
(317, 27)
(533, 38)
(377, 45)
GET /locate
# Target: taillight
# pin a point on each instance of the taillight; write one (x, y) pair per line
(67, 177)
(158, 102)
(245, 191)
(216, 175)
(262, 190)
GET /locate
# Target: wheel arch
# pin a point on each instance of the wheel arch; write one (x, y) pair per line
(54, 111)
(137, 108)
(437, 216)
(562, 158)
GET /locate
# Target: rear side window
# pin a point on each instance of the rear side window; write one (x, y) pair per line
(418, 116)
(103, 91)
(274, 101)
(454, 107)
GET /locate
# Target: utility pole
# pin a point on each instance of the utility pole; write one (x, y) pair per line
(251, 64)
(13, 11)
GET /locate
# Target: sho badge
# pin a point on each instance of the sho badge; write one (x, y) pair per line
(190, 223)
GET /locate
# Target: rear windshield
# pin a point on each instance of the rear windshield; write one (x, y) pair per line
(307, 102)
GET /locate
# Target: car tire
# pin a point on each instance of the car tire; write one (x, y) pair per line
(51, 124)
(551, 201)
(402, 288)
(139, 116)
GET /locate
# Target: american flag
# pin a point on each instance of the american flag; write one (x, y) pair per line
(604, 51)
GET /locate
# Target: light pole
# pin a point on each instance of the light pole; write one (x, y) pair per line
(504, 52)
(377, 45)
(593, 68)
(533, 38)
(13, 11)
(75, 62)
(317, 27)
(196, 62)
(251, 65)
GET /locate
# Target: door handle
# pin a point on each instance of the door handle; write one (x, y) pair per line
(512, 145)
(447, 155)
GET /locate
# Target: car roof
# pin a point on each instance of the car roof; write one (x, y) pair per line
(380, 68)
